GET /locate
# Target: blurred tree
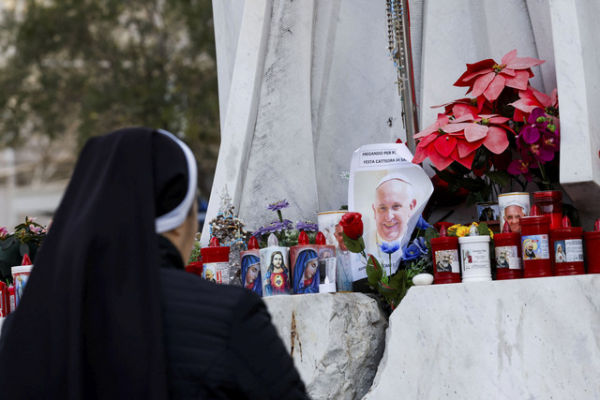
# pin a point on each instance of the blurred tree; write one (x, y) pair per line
(87, 67)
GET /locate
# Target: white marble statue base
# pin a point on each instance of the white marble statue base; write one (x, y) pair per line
(520, 339)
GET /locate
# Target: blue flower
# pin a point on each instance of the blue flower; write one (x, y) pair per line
(414, 250)
(422, 223)
(281, 204)
(259, 232)
(307, 226)
(389, 248)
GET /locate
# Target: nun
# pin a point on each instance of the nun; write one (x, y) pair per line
(306, 272)
(110, 313)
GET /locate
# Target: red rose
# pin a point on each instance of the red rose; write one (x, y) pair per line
(352, 225)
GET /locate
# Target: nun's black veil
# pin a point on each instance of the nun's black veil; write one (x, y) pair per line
(89, 324)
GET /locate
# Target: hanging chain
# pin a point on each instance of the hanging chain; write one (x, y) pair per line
(396, 39)
(399, 48)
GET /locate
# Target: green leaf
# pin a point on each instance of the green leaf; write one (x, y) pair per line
(374, 271)
(355, 246)
(385, 289)
(6, 244)
(398, 278)
(483, 229)
(23, 249)
(502, 178)
(430, 233)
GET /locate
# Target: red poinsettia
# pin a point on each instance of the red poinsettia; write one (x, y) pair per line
(489, 78)
(531, 99)
(474, 105)
(458, 136)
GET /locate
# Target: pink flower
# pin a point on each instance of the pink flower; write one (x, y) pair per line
(475, 105)
(35, 229)
(531, 98)
(489, 78)
(520, 167)
(457, 137)
(3, 232)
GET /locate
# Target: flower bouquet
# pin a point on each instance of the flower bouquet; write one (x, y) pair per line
(507, 131)
(26, 239)
(416, 258)
(285, 230)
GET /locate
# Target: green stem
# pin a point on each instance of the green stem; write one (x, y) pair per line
(364, 255)
(543, 172)
(280, 216)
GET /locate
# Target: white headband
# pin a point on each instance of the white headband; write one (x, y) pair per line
(176, 216)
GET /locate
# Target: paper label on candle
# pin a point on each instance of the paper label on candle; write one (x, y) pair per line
(216, 272)
(535, 247)
(570, 250)
(447, 261)
(508, 257)
(475, 258)
(327, 268)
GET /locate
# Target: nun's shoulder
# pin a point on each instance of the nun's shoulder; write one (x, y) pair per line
(189, 292)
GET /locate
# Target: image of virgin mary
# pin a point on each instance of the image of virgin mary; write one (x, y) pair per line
(251, 273)
(306, 272)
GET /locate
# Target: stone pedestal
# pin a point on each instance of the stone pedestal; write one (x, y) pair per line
(521, 339)
(336, 340)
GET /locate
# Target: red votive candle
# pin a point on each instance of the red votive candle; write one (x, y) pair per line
(446, 268)
(215, 262)
(550, 203)
(508, 254)
(566, 244)
(592, 249)
(535, 244)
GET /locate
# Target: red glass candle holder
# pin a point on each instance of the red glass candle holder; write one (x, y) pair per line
(550, 203)
(566, 246)
(535, 246)
(592, 251)
(446, 267)
(507, 247)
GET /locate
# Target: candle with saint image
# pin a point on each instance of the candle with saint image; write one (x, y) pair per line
(535, 231)
(592, 243)
(446, 267)
(304, 263)
(274, 268)
(566, 249)
(327, 265)
(250, 271)
(507, 246)
(20, 274)
(215, 260)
